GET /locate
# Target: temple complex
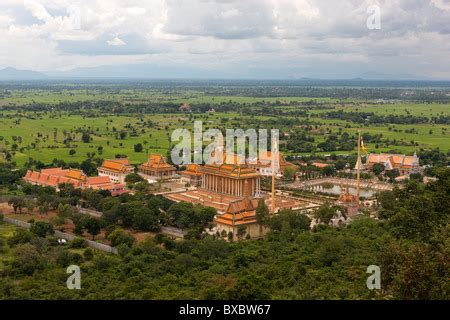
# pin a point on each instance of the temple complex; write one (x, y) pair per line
(115, 169)
(156, 168)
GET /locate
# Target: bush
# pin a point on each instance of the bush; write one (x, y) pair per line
(119, 236)
(20, 236)
(2, 245)
(27, 259)
(1, 217)
(88, 254)
(66, 258)
(123, 249)
(42, 229)
(78, 243)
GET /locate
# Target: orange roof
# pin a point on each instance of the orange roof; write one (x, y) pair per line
(192, 170)
(43, 178)
(76, 174)
(28, 174)
(34, 176)
(242, 205)
(117, 165)
(97, 180)
(53, 181)
(55, 171)
(157, 162)
(320, 164)
(396, 160)
(239, 212)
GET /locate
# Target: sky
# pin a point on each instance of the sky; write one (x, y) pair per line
(230, 38)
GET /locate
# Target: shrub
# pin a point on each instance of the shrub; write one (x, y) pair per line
(2, 245)
(123, 249)
(42, 229)
(78, 243)
(88, 254)
(27, 259)
(119, 236)
(20, 236)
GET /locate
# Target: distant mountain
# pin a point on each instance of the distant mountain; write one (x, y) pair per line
(374, 75)
(16, 74)
(137, 71)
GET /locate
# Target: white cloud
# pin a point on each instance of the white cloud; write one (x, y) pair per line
(116, 42)
(302, 36)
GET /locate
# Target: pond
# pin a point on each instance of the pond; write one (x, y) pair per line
(335, 189)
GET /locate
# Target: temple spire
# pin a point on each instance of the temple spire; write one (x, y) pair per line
(358, 164)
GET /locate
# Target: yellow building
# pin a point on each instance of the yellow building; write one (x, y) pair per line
(233, 179)
(156, 168)
(240, 214)
(115, 169)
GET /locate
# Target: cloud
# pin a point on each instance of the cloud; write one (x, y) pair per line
(116, 42)
(322, 38)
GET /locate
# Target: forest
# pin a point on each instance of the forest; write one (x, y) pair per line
(409, 242)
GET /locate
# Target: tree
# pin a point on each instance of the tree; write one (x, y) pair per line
(43, 208)
(42, 229)
(296, 221)
(146, 220)
(30, 204)
(340, 164)
(377, 169)
(326, 212)
(133, 178)
(119, 236)
(17, 203)
(72, 152)
(142, 186)
(289, 173)
(138, 147)
(262, 214)
(27, 260)
(241, 231)
(93, 227)
(85, 137)
(329, 170)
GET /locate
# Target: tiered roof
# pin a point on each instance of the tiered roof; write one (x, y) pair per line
(158, 163)
(239, 212)
(267, 156)
(395, 160)
(192, 170)
(230, 170)
(232, 166)
(117, 165)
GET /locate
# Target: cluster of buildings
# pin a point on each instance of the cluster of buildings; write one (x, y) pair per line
(111, 175)
(233, 189)
(54, 177)
(404, 164)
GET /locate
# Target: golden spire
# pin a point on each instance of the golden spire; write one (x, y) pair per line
(358, 161)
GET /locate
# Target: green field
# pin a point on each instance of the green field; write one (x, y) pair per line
(42, 133)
